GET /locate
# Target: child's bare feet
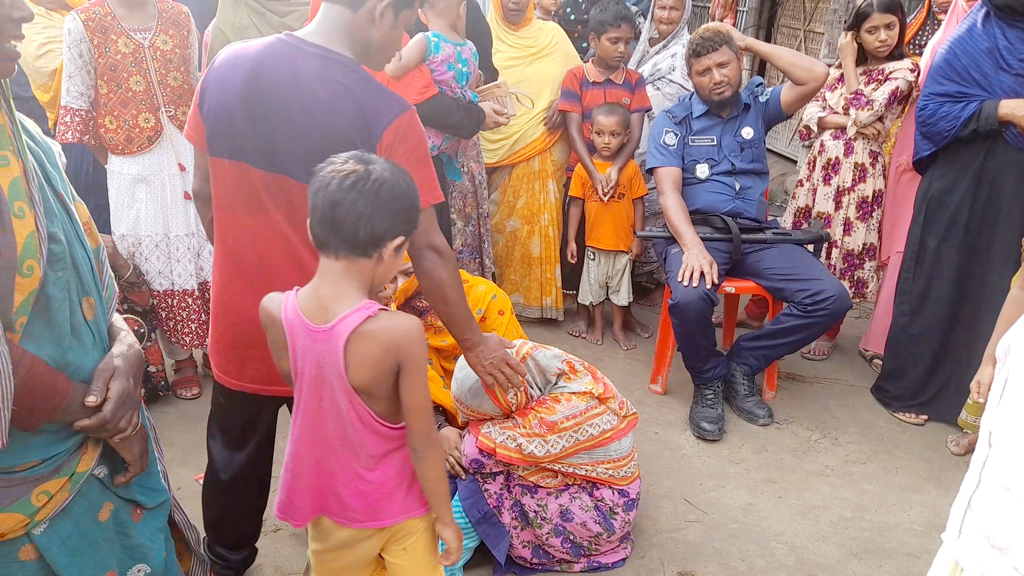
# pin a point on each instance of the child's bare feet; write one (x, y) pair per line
(637, 327)
(622, 338)
(621, 317)
(596, 334)
(580, 324)
(654, 297)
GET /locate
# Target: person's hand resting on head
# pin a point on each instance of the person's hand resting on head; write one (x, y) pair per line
(493, 364)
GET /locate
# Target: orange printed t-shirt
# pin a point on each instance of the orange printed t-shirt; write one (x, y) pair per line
(610, 225)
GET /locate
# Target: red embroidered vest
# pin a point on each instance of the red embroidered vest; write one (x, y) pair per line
(133, 80)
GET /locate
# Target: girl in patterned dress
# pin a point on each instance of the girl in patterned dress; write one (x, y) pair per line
(842, 182)
(130, 72)
(454, 64)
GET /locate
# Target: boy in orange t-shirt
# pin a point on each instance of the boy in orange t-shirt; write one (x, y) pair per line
(611, 226)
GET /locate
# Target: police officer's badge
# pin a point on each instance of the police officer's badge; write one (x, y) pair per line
(670, 138)
(702, 171)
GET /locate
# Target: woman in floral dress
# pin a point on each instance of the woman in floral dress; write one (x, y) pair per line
(842, 183)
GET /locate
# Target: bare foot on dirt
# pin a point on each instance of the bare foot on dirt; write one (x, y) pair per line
(596, 335)
(581, 324)
(961, 444)
(654, 298)
(639, 328)
(742, 320)
(622, 338)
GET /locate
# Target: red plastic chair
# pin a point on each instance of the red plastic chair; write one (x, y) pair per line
(665, 344)
(731, 289)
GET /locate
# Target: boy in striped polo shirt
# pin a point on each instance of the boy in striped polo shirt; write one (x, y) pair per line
(603, 79)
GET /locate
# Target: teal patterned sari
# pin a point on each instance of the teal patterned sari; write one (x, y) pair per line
(60, 514)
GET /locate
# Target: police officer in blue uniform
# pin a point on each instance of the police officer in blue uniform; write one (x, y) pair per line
(707, 155)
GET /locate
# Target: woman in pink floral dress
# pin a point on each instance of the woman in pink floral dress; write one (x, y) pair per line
(842, 183)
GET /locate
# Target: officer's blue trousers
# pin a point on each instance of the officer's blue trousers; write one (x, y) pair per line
(817, 301)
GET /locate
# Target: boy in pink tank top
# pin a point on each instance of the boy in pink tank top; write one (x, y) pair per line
(364, 468)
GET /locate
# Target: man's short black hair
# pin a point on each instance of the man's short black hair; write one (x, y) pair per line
(708, 39)
(612, 110)
(358, 203)
(609, 15)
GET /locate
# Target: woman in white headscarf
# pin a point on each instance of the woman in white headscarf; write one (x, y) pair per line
(660, 56)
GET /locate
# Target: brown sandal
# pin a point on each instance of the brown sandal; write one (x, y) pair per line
(181, 383)
(874, 359)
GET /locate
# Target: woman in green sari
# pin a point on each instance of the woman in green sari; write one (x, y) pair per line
(83, 490)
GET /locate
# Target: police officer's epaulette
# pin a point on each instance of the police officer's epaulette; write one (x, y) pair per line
(678, 112)
(756, 87)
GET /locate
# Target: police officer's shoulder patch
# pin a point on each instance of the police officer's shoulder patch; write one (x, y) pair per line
(670, 138)
(765, 95)
(756, 87)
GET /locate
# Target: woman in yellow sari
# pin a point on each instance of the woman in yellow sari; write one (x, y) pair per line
(526, 159)
(492, 309)
(42, 51)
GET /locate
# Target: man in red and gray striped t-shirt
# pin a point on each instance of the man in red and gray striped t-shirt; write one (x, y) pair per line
(266, 113)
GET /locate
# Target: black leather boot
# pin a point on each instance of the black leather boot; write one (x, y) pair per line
(707, 413)
(742, 395)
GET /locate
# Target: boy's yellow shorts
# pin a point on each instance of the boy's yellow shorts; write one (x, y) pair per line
(406, 549)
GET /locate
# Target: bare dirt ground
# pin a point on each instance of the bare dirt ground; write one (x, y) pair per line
(835, 487)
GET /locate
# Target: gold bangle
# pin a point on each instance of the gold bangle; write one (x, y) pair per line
(131, 268)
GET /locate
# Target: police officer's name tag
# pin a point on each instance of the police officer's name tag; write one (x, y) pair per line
(703, 141)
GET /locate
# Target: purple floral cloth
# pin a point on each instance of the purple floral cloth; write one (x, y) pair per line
(575, 528)
(453, 65)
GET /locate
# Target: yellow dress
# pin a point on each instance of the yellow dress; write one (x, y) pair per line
(527, 165)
